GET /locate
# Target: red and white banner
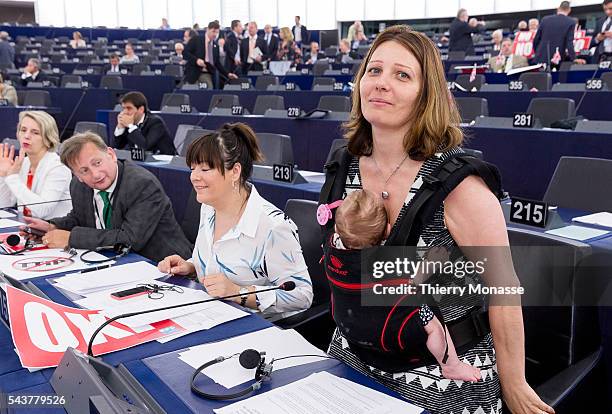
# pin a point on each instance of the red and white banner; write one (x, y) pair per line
(582, 43)
(523, 44)
(42, 330)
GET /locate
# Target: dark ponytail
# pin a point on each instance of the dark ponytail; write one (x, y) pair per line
(222, 149)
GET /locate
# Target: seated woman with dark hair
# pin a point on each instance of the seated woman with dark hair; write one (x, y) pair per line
(244, 243)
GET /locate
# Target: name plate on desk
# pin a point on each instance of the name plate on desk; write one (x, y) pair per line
(282, 172)
(289, 86)
(245, 86)
(137, 154)
(267, 173)
(185, 108)
(529, 212)
(237, 110)
(605, 64)
(515, 85)
(522, 120)
(344, 71)
(293, 112)
(594, 84)
(4, 102)
(338, 86)
(304, 71)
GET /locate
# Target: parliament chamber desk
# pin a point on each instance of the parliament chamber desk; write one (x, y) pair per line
(9, 118)
(526, 157)
(176, 183)
(311, 139)
(569, 76)
(595, 105)
(139, 360)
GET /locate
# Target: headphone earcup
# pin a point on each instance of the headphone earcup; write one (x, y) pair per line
(249, 358)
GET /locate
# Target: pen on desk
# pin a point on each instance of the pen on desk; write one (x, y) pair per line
(93, 269)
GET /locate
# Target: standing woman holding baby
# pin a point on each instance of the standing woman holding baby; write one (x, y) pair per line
(403, 125)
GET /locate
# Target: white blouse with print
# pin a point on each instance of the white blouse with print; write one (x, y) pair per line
(263, 250)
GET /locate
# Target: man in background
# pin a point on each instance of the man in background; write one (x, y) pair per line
(300, 33)
(314, 55)
(603, 38)
(461, 33)
(252, 49)
(203, 60)
(506, 61)
(32, 73)
(137, 127)
(272, 43)
(232, 46)
(556, 32)
(7, 52)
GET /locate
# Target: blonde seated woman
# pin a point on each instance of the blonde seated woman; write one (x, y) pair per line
(35, 175)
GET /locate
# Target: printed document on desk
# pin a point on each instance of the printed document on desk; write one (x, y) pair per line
(43, 263)
(7, 222)
(321, 393)
(111, 277)
(7, 214)
(194, 317)
(603, 219)
(275, 342)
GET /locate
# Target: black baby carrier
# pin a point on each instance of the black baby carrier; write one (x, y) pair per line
(393, 338)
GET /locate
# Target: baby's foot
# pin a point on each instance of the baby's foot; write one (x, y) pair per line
(458, 370)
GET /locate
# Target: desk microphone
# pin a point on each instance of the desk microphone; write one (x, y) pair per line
(287, 286)
(42, 202)
(76, 107)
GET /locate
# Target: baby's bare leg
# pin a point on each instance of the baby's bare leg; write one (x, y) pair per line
(453, 368)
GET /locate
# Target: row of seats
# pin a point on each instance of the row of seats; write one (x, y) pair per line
(546, 112)
(542, 81)
(263, 103)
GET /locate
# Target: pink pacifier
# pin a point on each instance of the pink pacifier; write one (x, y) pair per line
(324, 211)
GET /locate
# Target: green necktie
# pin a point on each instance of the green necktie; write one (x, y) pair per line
(107, 212)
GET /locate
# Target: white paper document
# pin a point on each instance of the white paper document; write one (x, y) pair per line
(192, 318)
(7, 222)
(45, 262)
(321, 393)
(114, 276)
(275, 342)
(6, 214)
(603, 219)
(577, 232)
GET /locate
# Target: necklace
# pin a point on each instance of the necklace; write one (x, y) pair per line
(385, 194)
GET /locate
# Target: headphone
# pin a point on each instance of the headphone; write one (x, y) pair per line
(249, 359)
(14, 240)
(119, 249)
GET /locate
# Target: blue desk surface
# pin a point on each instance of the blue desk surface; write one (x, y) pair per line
(311, 138)
(508, 103)
(175, 181)
(526, 157)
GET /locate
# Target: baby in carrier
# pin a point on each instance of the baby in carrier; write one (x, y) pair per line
(361, 222)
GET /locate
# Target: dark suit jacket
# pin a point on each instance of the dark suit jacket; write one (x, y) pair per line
(142, 217)
(152, 135)
(108, 67)
(7, 54)
(40, 77)
(196, 49)
(320, 55)
(555, 31)
(244, 54)
(304, 33)
(600, 45)
(352, 55)
(271, 48)
(460, 36)
(230, 47)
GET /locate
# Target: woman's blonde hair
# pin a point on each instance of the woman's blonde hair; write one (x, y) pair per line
(287, 35)
(435, 118)
(47, 125)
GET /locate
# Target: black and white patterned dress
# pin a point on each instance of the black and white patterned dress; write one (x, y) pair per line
(425, 386)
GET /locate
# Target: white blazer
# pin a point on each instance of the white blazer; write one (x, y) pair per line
(51, 182)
